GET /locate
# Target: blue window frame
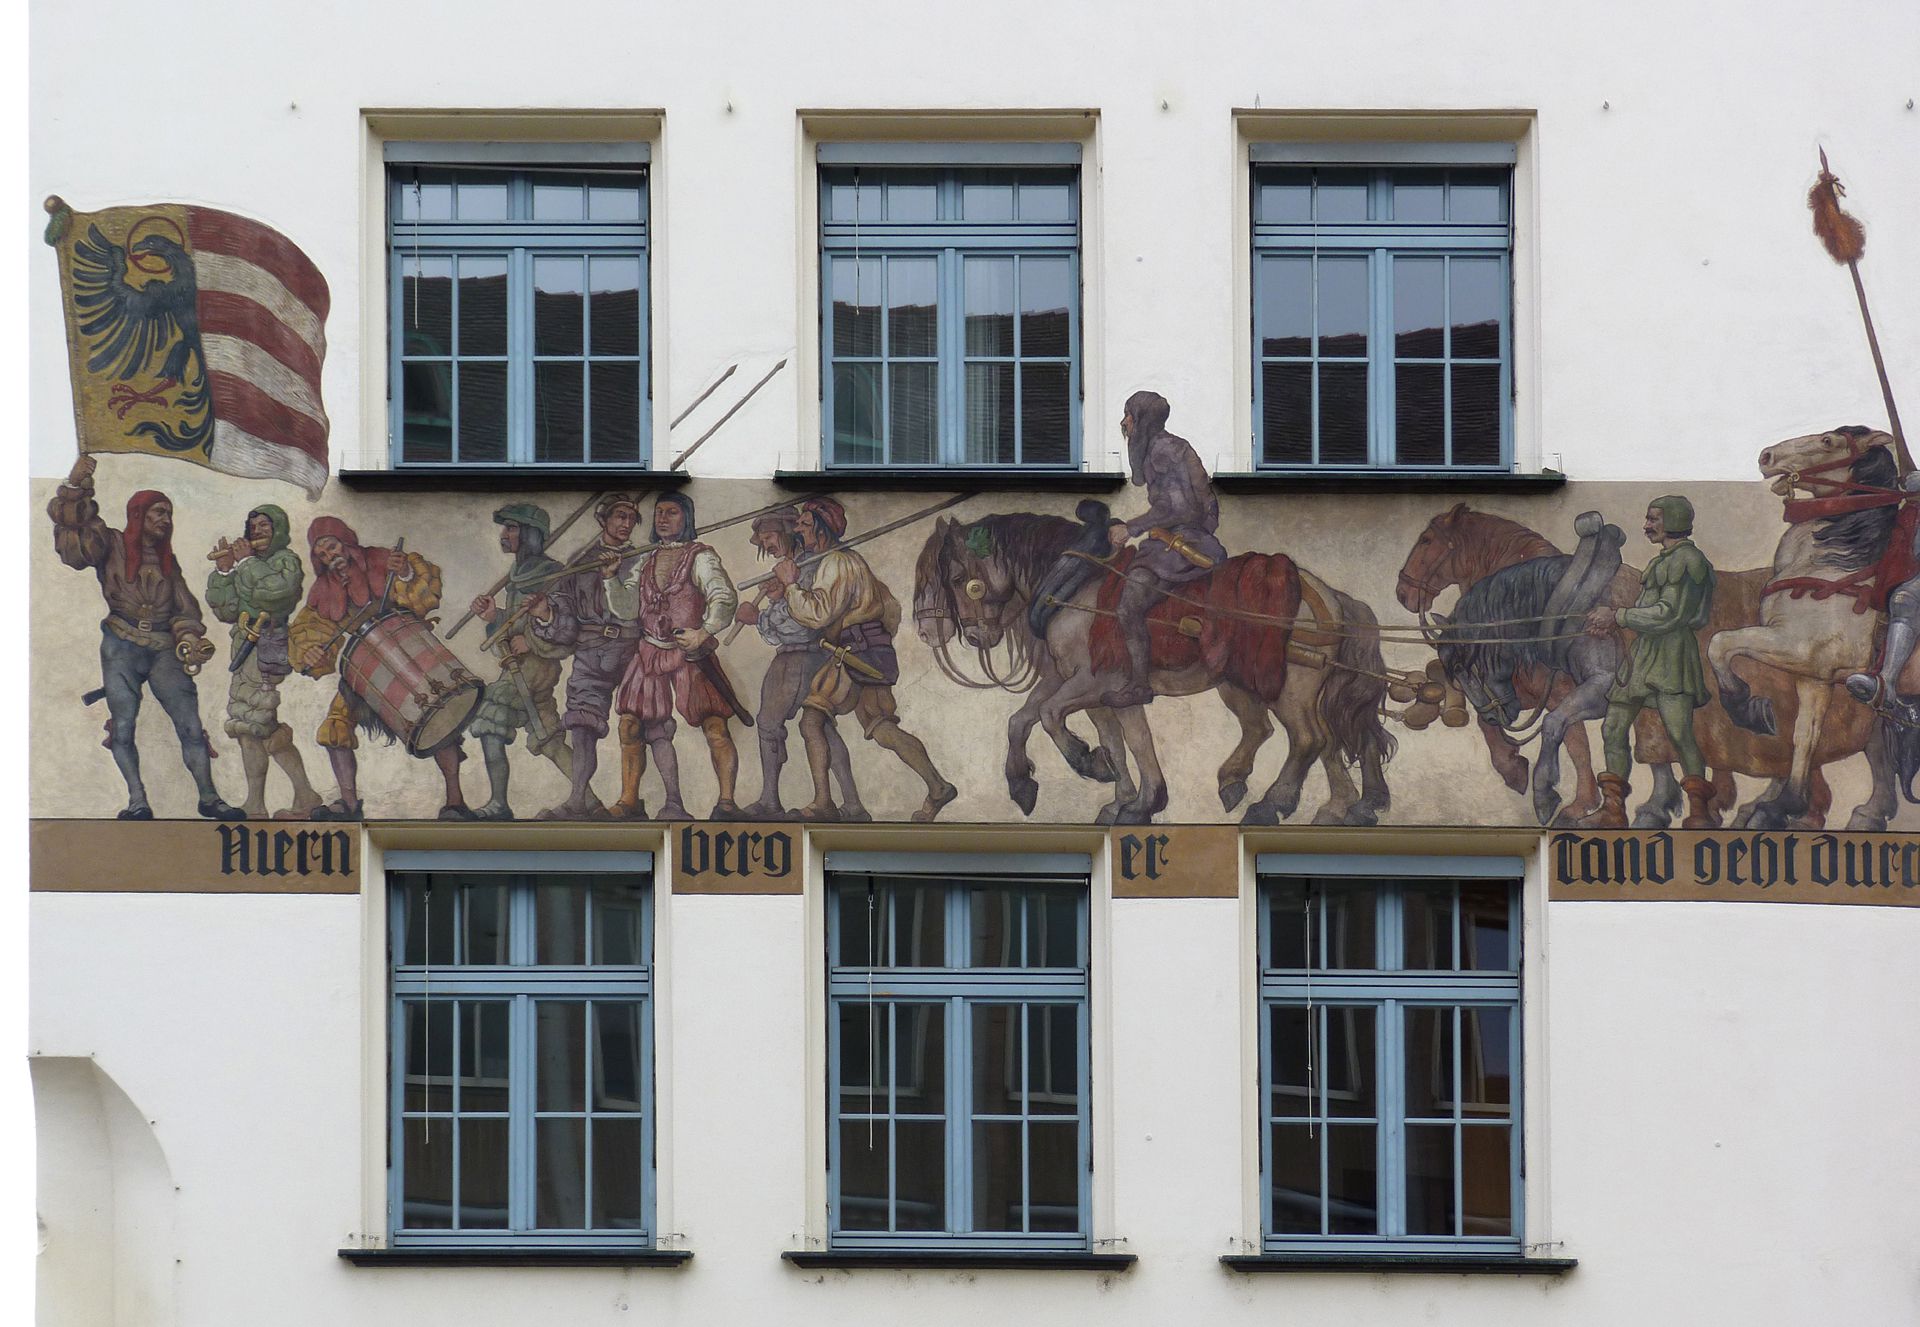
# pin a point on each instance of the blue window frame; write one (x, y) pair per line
(1390, 1061)
(521, 1096)
(958, 1044)
(1382, 317)
(950, 316)
(518, 316)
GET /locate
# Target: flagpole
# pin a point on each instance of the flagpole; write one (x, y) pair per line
(1845, 240)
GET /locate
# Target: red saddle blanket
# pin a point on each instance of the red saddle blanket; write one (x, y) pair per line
(1252, 655)
(1872, 586)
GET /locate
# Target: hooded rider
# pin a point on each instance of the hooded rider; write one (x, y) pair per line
(255, 583)
(1179, 523)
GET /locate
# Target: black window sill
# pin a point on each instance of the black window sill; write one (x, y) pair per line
(957, 479)
(942, 1259)
(1468, 1263)
(423, 1257)
(1388, 481)
(509, 478)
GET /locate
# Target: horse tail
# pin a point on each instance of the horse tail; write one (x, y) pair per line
(1350, 699)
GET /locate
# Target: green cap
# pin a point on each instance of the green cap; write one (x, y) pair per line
(1676, 514)
(525, 513)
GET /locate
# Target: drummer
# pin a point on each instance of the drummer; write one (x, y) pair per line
(347, 580)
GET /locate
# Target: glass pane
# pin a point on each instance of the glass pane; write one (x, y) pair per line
(1046, 420)
(913, 412)
(1486, 1063)
(1342, 195)
(1479, 303)
(1418, 197)
(990, 414)
(611, 200)
(1486, 945)
(998, 1193)
(560, 924)
(1350, 911)
(426, 306)
(1419, 307)
(996, 917)
(558, 200)
(1344, 306)
(1353, 1180)
(1053, 1177)
(1287, 920)
(856, 306)
(917, 921)
(430, 921)
(483, 201)
(920, 1060)
(1419, 414)
(613, 306)
(1430, 1179)
(426, 196)
(559, 411)
(429, 1055)
(1286, 413)
(1429, 1033)
(483, 1174)
(863, 1175)
(1478, 199)
(863, 1048)
(841, 202)
(913, 307)
(559, 305)
(483, 411)
(483, 306)
(560, 1174)
(483, 939)
(857, 922)
(1427, 925)
(619, 1174)
(1287, 201)
(1288, 1064)
(1286, 306)
(1486, 1181)
(1053, 1059)
(618, 1073)
(560, 1043)
(1046, 202)
(1294, 1164)
(986, 202)
(996, 1059)
(1053, 928)
(615, 411)
(920, 1175)
(619, 917)
(1046, 294)
(483, 1055)
(856, 414)
(426, 405)
(426, 1184)
(1476, 414)
(1343, 414)
(912, 202)
(1348, 1061)
(989, 306)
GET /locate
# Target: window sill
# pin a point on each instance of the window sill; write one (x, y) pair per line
(532, 1257)
(1388, 481)
(508, 478)
(986, 1259)
(1433, 1263)
(951, 479)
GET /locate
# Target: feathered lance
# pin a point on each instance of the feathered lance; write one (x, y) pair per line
(1846, 241)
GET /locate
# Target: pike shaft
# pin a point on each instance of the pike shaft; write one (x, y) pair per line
(859, 539)
(1880, 367)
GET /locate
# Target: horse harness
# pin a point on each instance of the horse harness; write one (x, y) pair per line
(1847, 496)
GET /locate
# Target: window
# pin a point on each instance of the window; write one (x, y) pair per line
(957, 1036)
(950, 315)
(1382, 319)
(1389, 1058)
(518, 315)
(522, 1044)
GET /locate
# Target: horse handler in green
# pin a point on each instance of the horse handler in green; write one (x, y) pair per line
(1664, 670)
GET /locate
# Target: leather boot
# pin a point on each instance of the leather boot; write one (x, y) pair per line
(1700, 813)
(633, 764)
(1613, 804)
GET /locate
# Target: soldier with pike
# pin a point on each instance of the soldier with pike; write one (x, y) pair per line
(254, 585)
(522, 697)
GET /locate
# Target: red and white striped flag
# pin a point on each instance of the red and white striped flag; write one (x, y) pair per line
(197, 334)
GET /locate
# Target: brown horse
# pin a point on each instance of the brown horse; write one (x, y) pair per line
(1462, 546)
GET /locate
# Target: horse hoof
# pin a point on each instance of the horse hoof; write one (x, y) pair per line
(1099, 768)
(1361, 814)
(1025, 792)
(1513, 773)
(1231, 794)
(1545, 803)
(1260, 814)
(1646, 818)
(1329, 815)
(1108, 815)
(1866, 822)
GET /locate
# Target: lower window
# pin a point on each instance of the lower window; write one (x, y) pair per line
(521, 1106)
(957, 1038)
(1390, 1063)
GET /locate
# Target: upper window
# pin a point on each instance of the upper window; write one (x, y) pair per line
(1390, 1064)
(518, 315)
(522, 1042)
(1382, 317)
(950, 315)
(957, 1036)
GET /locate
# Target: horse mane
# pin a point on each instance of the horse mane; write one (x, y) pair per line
(1494, 543)
(1026, 543)
(1518, 591)
(1857, 540)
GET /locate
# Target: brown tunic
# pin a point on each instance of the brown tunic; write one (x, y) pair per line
(145, 605)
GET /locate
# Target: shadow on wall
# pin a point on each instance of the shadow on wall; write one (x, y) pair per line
(106, 1203)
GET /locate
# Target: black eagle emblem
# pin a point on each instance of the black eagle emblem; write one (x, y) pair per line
(125, 326)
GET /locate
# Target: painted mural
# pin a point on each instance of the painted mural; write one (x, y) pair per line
(1745, 658)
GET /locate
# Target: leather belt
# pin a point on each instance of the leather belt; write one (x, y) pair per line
(615, 631)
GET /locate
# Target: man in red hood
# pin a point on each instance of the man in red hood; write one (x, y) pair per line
(153, 634)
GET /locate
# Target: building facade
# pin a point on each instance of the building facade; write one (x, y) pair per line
(1070, 664)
